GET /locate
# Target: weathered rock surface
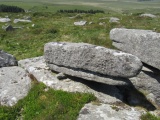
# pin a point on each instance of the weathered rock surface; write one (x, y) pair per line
(38, 69)
(81, 58)
(5, 20)
(108, 112)
(14, 85)
(7, 59)
(142, 43)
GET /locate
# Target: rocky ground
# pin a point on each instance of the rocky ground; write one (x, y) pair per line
(125, 88)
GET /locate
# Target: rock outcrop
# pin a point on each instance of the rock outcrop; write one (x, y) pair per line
(105, 93)
(7, 59)
(14, 85)
(87, 58)
(142, 43)
(39, 70)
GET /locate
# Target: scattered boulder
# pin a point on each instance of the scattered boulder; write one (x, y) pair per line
(86, 58)
(80, 23)
(7, 59)
(148, 15)
(102, 23)
(8, 28)
(142, 43)
(14, 85)
(33, 25)
(114, 20)
(27, 17)
(21, 20)
(5, 20)
(90, 23)
(109, 112)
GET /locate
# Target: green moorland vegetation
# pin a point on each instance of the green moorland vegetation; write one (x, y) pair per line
(43, 103)
(47, 26)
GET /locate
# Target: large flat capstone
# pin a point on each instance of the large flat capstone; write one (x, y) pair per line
(145, 44)
(94, 60)
(14, 85)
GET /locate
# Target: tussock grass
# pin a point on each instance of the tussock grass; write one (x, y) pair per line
(149, 116)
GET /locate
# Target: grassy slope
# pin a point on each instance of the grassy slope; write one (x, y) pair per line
(115, 5)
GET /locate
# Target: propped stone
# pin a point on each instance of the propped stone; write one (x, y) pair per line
(7, 59)
(148, 83)
(109, 112)
(83, 58)
(14, 85)
(39, 70)
(142, 43)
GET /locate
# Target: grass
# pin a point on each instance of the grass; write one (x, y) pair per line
(46, 105)
(29, 41)
(149, 116)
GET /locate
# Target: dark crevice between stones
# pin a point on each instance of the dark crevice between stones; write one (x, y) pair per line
(97, 86)
(133, 97)
(154, 73)
(128, 94)
(155, 70)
